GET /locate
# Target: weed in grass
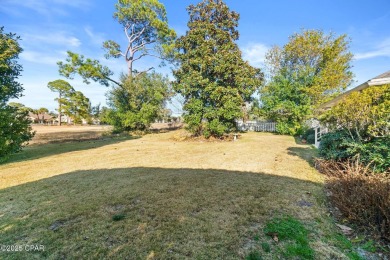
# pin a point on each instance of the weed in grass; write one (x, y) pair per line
(266, 247)
(291, 230)
(369, 246)
(354, 256)
(343, 242)
(254, 255)
(118, 217)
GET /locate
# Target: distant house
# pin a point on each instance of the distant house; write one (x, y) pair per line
(380, 80)
(41, 118)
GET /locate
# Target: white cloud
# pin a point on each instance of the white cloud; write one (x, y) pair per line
(45, 7)
(381, 50)
(42, 58)
(96, 38)
(254, 53)
(57, 38)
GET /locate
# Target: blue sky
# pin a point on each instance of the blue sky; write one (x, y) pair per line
(49, 28)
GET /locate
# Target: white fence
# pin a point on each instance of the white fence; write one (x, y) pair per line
(257, 126)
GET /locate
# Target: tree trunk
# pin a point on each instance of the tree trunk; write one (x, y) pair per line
(59, 111)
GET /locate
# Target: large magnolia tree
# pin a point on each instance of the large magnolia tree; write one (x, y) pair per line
(212, 76)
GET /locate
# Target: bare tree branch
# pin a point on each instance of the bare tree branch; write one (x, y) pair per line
(136, 36)
(113, 81)
(142, 45)
(143, 72)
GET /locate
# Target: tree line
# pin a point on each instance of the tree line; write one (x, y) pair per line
(216, 84)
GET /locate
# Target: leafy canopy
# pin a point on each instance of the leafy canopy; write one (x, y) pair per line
(15, 128)
(363, 114)
(70, 102)
(138, 102)
(312, 68)
(147, 33)
(212, 76)
(10, 70)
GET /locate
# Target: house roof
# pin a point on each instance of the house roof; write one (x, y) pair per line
(377, 81)
(44, 116)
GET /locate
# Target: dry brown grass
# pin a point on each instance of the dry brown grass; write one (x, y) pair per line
(51, 134)
(190, 199)
(362, 196)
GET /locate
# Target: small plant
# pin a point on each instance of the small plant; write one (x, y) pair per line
(369, 246)
(266, 247)
(292, 231)
(118, 217)
(254, 255)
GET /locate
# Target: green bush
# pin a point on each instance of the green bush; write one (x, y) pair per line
(15, 131)
(309, 136)
(340, 146)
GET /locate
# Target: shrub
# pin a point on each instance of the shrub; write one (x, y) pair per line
(339, 146)
(309, 136)
(361, 195)
(15, 131)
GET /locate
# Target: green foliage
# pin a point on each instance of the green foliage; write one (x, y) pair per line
(309, 136)
(20, 106)
(147, 21)
(70, 102)
(147, 32)
(254, 255)
(363, 114)
(87, 68)
(77, 106)
(266, 247)
(340, 146)
(360, 126)
(292, 231)
(118, 217)
(139, 102)
(15, 129)
(133, 105)
(212, 77)
(9, 68)
(309, 70)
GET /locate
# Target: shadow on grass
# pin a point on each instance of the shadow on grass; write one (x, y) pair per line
(37, 151)
(306, 153)
(166, 213)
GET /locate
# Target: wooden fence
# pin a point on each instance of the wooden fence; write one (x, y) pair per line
(257, 126)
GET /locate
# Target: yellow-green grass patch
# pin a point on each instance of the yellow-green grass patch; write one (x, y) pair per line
(159, 198)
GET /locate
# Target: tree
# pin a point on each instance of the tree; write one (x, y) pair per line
(19, 106)
(312, 68)
(360, 128)
(64, 90)
(364, 115)
(212, 77)
(15, 128)
(77, 106)
(137, 109)
(145, 25)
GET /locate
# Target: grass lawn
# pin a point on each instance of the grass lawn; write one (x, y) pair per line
(159, 198)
